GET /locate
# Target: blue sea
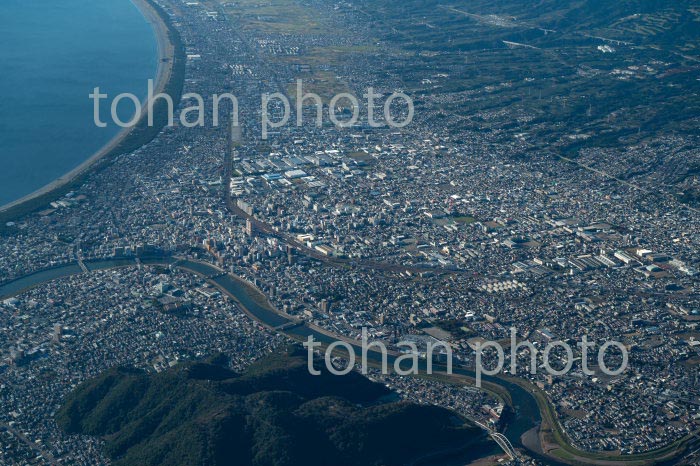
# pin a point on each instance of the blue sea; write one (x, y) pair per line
(54, 52)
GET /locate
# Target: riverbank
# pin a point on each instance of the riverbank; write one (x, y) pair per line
(169, 79)
(526, 399)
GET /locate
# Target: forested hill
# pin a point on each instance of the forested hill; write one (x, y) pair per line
(275, 413)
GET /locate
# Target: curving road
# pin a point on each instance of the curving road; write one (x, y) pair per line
(531, 406)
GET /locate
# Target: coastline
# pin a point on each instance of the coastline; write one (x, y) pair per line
(166, 56)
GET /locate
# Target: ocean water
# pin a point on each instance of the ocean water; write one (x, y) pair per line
(53, 53)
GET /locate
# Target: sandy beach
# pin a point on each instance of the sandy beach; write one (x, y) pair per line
(166, 57)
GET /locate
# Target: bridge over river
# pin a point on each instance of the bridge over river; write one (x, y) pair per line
(527, 413)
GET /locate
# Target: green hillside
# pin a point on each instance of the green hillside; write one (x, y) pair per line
(551, 69)
(275, 413)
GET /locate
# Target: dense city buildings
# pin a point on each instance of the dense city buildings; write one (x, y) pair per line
(455, 231)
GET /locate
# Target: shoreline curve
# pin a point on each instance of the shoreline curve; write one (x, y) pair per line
(168, 54)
